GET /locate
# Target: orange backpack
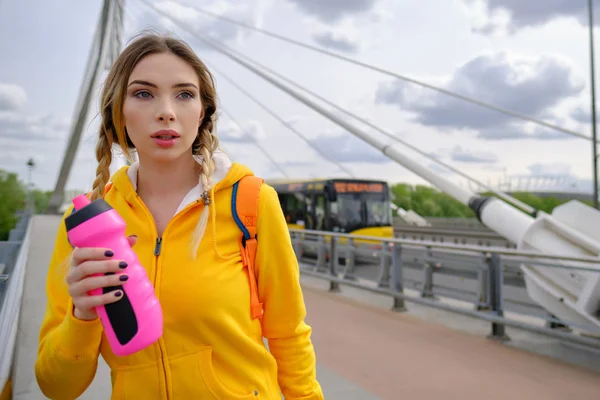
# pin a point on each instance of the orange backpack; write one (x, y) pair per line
(244, 208)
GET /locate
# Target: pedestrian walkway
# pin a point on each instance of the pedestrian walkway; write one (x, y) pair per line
(364, 352)
(396, 356)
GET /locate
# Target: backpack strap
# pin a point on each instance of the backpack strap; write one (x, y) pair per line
(244, 208)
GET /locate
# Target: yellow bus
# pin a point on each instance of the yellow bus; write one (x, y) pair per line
(353, 206)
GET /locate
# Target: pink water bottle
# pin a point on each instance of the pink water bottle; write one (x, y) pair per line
(135, 321)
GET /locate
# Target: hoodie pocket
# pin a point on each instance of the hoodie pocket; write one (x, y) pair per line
(137, 382)
(194, 377)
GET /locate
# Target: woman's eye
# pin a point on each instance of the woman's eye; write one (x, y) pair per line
(143, 95)
(187, 95)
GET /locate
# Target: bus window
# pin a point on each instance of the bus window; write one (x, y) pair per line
(353, 211)
(378, 210)
(350, 209)
(320, 213)
(333, 220)
(310, 212)
(293, 208)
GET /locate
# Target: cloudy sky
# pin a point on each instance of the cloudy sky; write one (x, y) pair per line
(527, 56)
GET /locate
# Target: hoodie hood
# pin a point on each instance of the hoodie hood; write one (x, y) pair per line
(226, 174)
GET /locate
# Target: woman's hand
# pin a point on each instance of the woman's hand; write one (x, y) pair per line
(87, 262)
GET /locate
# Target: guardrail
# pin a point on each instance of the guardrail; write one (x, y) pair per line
(13, 257)
(486, 279)
(448, 223)
(453, 236)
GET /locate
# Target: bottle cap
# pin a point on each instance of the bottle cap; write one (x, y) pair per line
(81, 201)
(84, 210)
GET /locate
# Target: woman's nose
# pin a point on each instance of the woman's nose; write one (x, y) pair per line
(166, 112)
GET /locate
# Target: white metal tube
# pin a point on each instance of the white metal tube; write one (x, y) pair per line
(506, 220)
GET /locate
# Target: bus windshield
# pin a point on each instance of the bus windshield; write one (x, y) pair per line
(352, 211)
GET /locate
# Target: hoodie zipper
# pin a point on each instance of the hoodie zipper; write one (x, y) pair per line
(157, 249)
(157, 252)
(158, 246)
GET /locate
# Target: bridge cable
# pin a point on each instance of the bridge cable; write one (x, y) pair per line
(391, 73)
(390, 135)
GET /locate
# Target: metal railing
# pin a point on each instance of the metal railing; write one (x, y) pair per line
(480, 282)
(13, 257)
(452, 236)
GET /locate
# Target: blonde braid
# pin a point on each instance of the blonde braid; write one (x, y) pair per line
(104, 157)
(208, 144)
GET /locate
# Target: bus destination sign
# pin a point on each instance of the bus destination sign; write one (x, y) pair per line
(358, 187)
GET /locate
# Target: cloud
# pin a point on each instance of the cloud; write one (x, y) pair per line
(12, 97)
(463, 155)
(337, 40)
(23, 127)
(342, 25)
(20, 126)
(188, 17)
(510, 15)
(529, 86)
(250, 132)
(24, 135)
(343, 147)
(582, 115)
(334, 11)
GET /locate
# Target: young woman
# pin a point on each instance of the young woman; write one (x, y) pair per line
(160, 100)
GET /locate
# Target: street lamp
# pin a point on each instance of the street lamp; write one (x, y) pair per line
(30, 165)
(593, 105)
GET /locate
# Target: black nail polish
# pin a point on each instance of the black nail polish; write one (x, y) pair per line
(123, 278)
(122, 264)
(118, 293)
(108, 253)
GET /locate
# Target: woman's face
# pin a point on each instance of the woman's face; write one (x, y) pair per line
(162, 108)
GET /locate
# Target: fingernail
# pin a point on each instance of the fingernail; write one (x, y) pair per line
(123, 278)
(133, 236)
(118, 293)
(122, 264)
(108, 253)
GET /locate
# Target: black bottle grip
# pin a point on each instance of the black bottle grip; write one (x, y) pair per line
(121, 316)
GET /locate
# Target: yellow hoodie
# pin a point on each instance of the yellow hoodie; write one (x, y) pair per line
(211, 348)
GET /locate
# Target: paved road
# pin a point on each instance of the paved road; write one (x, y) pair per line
(399, 356)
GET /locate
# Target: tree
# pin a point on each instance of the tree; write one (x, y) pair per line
(12, 199)
(430, 202)
(41, 200)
